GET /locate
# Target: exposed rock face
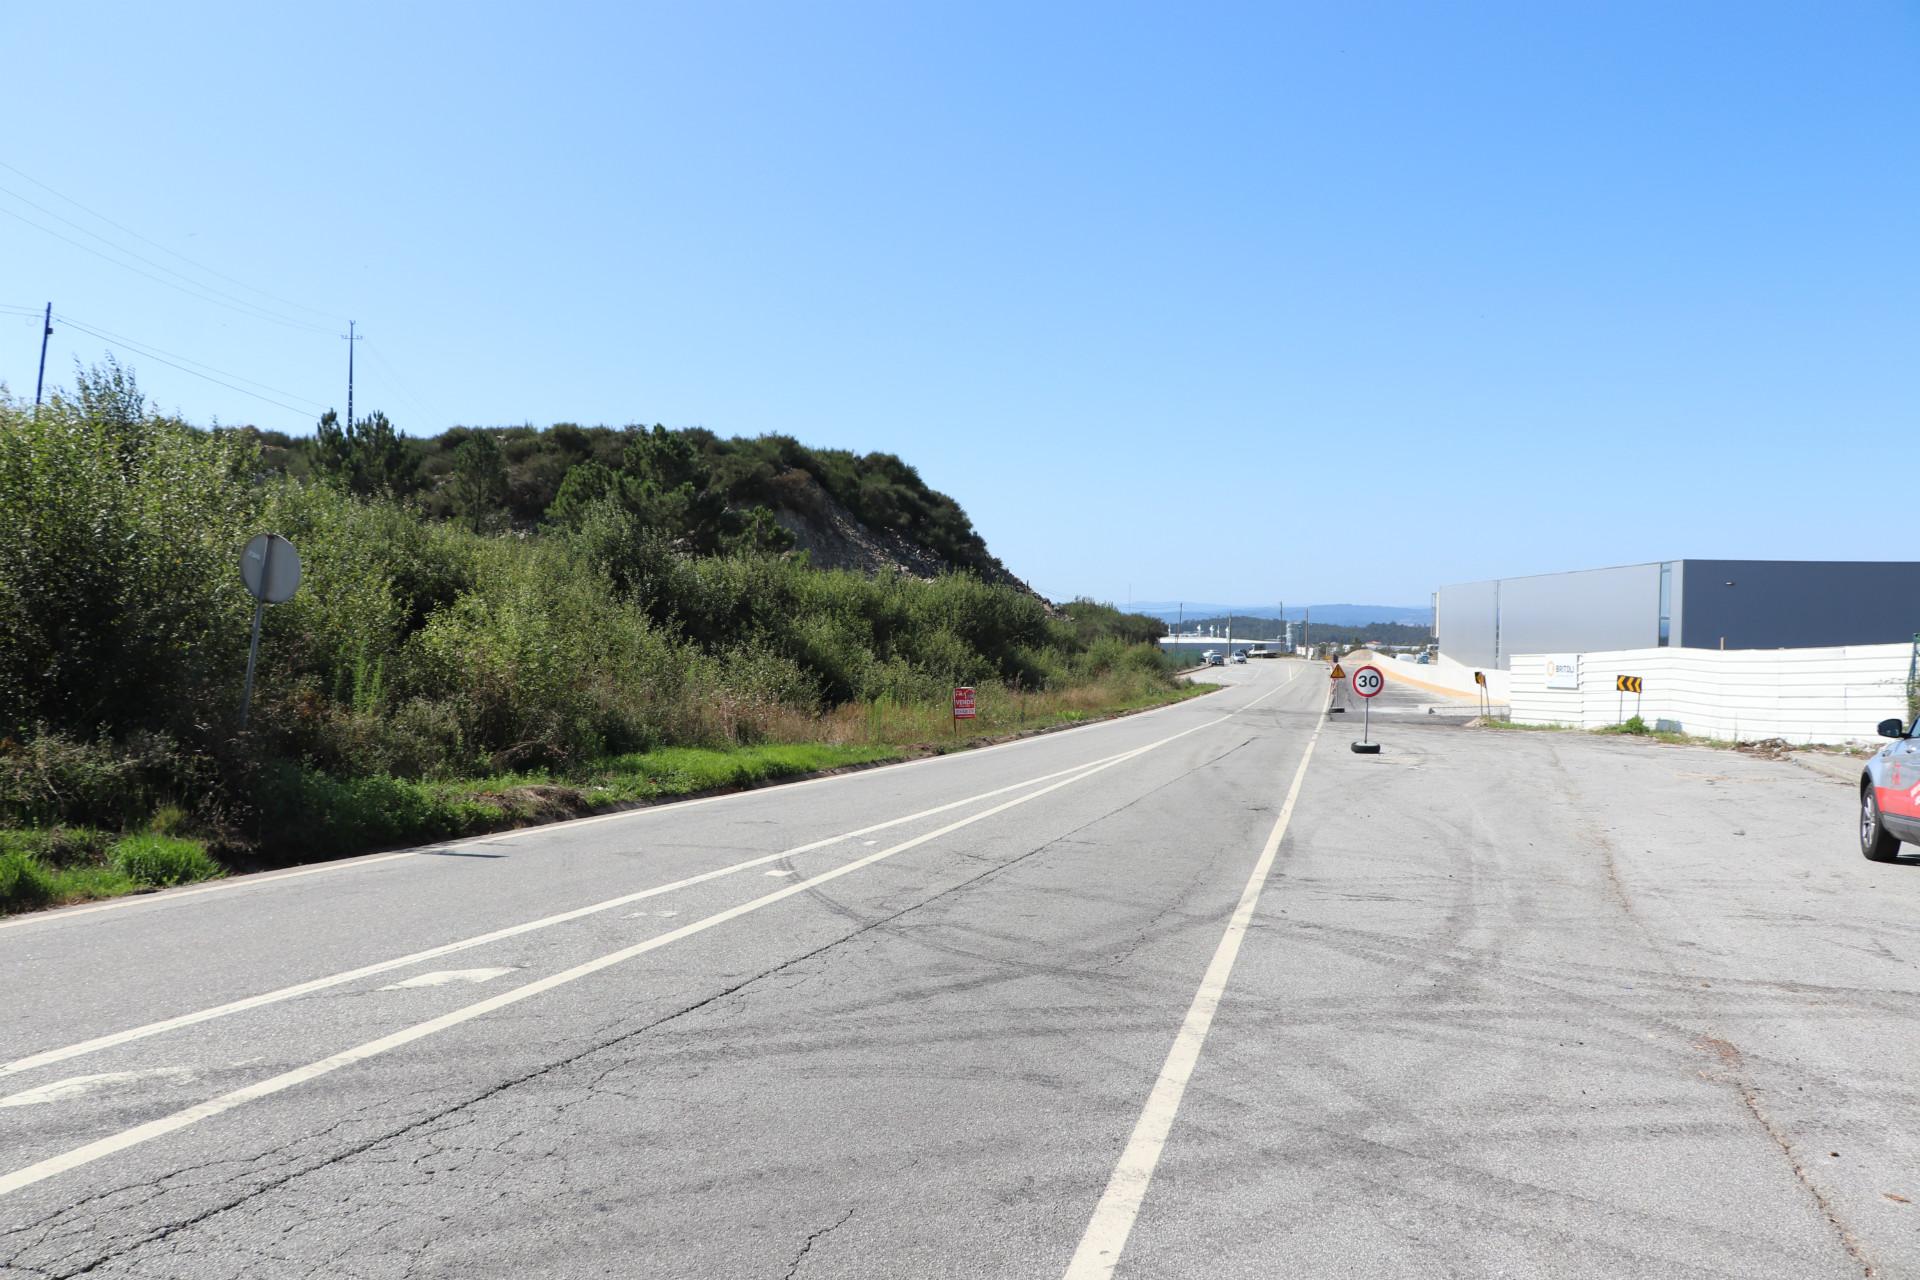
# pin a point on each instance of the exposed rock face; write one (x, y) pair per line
(834, 538)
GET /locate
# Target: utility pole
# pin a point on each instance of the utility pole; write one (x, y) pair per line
(351, 338)
(46, 331)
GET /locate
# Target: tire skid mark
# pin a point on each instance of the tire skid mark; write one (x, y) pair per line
(1732, 1062)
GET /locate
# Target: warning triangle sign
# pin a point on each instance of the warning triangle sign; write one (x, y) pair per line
(1338, 674)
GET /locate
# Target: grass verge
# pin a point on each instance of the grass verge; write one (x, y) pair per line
(52, 868)
(316, 815)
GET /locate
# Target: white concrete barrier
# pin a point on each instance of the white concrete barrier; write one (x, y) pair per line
(1445, 677)
(1831, 695)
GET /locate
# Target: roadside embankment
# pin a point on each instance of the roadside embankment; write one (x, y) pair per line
(323, 817)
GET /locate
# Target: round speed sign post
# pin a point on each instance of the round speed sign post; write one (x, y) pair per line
(270, 570)
(1367, 684)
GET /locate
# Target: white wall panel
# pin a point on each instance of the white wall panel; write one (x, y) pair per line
(1802, 695)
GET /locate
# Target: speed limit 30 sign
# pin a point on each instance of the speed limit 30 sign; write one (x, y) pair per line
(1367, 683)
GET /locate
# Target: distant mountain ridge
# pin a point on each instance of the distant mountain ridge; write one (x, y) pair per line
(1342, 615)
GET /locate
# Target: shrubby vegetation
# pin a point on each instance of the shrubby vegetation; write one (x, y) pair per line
(518, 605)
(705, 493)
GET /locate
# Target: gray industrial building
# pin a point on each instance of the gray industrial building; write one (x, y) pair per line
(1696, 604)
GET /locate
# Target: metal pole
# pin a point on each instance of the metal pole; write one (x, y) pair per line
(253, 655)
(350, 342)
(1366, 718)
(46, 331)
(253, 648)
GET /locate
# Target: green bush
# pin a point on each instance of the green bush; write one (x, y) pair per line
(158, 860)
(318, 815)
(52, 779)
(59, 848)
(24, 883)
(119, 601)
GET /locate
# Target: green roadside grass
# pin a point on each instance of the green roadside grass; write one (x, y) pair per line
(316, 816)
(320, 816)
(49, 868)
(1633, 728)
(1489, 723)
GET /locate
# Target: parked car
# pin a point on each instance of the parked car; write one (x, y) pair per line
(1890, 793)
(1212, 659)
(1240, 655)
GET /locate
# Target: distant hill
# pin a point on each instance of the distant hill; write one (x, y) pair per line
(1341, 615)
(1247, 627)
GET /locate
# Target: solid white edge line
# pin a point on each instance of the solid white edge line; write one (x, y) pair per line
(58, 914)
(1113, 1218)
(114, 1039)
(103, 1147)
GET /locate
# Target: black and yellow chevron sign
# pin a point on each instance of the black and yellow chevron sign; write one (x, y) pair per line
(1627, 684)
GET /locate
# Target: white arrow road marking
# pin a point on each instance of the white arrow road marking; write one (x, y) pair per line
(101, 1148)
(441, 977)
(49, 1056)
(79, 1086)
(778, 872)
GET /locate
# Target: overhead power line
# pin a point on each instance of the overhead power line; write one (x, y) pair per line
(122, 227)
(373, 349)
(252, 307)
(95, 330)
(232, 304)
(154, 353)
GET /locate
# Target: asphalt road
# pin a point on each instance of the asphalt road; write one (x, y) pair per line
(1197, 992)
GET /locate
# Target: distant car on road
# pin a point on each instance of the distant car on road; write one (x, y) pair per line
(1212, 659)
(1890, 793)
(1240, 655)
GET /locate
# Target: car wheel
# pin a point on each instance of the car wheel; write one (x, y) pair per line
(1874, 840)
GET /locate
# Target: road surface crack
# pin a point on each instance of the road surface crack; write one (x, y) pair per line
(806, 1246)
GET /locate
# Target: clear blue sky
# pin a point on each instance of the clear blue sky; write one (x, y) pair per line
(1322, 302)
